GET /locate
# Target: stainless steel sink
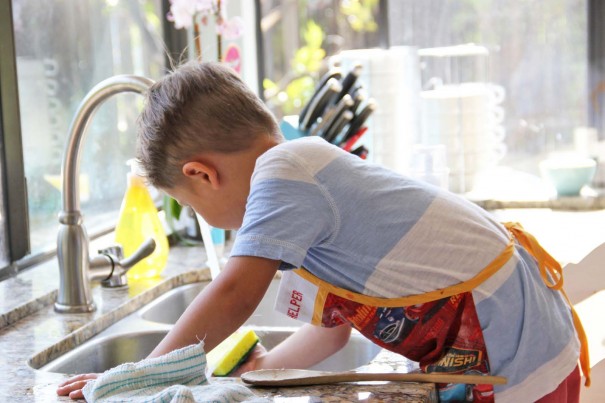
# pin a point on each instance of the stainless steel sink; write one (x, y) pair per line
(105, 352)
(119, 343)
(169, 307)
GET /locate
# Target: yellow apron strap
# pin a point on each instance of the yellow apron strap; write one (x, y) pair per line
(549, 267)
(455, 289)
(547, 264)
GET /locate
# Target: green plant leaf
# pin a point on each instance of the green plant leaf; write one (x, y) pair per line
(313, 35)
(305, 63)
(172, 208)
(269, 85)
(359, 14)
(298, 91)
(308, 60)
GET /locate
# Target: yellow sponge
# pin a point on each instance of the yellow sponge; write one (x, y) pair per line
(233, 351)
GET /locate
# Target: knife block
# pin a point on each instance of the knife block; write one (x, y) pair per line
(289, 127)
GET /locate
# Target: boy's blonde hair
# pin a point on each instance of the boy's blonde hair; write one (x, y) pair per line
(198, 107)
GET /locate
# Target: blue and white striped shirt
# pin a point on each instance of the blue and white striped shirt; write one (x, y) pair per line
(372, 231)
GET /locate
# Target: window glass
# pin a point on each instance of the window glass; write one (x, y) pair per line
(537, 52)
(298, 37)
(64, 48)
(531, 54)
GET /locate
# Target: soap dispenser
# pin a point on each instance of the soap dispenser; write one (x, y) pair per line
(137, 222)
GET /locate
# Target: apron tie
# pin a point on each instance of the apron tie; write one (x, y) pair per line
(552, 275)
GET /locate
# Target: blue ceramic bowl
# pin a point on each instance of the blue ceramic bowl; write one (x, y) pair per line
(568, 174)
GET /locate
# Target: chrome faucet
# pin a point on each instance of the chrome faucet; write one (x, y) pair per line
(76, 268)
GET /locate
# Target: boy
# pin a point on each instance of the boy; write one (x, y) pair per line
(416, 269)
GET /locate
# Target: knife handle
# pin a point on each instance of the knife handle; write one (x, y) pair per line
(326, 119)
(358, 97)
(332, 132)
(349, 81)
(361, 152)
(360, 119)
(348, 144)
(333, 114)
(336, 74)
(319, 103)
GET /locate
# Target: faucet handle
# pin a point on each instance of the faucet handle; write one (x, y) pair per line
(115, 252)
(144, 250)
(117, 278)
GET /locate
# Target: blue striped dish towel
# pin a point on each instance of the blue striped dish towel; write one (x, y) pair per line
(179, 376)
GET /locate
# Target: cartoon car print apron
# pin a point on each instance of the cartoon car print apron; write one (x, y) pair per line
(439, 329)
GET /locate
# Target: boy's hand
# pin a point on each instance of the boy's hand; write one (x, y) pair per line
(253, 362)
(74, 385)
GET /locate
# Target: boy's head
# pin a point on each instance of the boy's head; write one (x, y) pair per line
(198, 108)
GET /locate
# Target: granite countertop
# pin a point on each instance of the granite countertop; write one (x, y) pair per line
(30, 331)
(570, 203)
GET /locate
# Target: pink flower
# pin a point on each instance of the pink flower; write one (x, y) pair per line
(231, 29)
(181, 13)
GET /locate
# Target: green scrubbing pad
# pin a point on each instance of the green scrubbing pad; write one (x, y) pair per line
(232, 352)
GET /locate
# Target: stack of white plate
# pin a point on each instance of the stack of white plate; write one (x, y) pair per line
(467, 119)
(392, 77)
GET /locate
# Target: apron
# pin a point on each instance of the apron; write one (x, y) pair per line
(438, 329)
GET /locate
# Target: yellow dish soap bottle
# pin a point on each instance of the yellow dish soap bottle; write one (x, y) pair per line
(137, 222)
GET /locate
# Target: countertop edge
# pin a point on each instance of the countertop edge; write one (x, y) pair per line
(95, 326)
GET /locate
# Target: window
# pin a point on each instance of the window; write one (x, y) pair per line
(536, 53)
(63, 49)
(298, 37)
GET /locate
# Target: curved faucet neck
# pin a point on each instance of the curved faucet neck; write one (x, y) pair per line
(71, 163)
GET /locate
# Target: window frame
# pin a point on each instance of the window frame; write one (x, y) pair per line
(13, 178)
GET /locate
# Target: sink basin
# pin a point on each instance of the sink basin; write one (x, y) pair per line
(169, 307)
(105, 352)
(119, 343)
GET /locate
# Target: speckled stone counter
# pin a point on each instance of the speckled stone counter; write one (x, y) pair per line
(31, 333)
(569, 203)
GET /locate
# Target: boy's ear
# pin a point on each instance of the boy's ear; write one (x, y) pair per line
(203, 172)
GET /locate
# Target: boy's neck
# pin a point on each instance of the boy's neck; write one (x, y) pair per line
(239, 166)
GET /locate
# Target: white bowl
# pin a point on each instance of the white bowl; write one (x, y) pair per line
(568, 173)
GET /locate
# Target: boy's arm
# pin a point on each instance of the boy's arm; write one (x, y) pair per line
(220, 309)
(308, 346)
(223, 306)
